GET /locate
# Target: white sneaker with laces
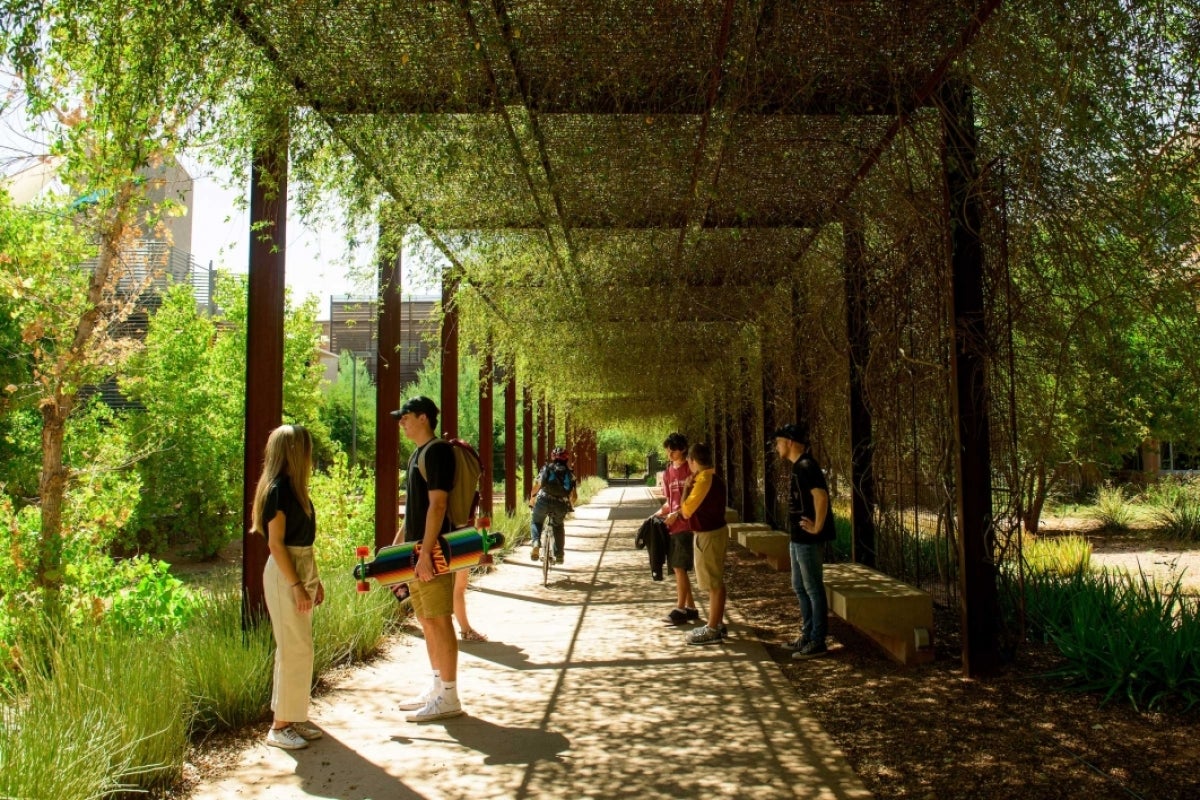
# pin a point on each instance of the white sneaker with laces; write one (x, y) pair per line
(420, 700)
(286, 738)
(439, 707)
(307, 730)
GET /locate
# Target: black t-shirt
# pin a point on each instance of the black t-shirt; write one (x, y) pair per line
(439, 464)
(300, 530)
(806, 476)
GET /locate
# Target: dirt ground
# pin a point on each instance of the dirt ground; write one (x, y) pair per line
(927, 732)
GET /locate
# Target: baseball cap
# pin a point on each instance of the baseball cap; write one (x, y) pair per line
(792, 431)
(417, 405)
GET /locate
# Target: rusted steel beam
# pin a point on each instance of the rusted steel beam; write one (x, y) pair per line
(862, 444)
(510, 441)
(749, 476)
(264, 347)
(527, 442)
(387, 400)
(449, 338)
(969, 364)
(487, 449)
(541, 432)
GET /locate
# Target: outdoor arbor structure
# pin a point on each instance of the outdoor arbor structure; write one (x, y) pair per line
(728, 213)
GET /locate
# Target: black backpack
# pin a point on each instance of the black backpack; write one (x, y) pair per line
(557, 480)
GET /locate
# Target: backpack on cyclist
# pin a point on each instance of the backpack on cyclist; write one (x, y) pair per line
(463, 498)
(557, 480)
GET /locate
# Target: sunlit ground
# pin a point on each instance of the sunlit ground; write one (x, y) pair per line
(581, 693)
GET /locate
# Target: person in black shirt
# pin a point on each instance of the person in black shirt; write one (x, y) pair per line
(810, 525)
(425, 519)
(284, 512)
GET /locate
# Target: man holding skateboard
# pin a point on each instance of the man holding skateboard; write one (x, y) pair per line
(425, 519)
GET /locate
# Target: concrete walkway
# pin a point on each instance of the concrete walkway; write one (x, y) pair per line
(582, 693)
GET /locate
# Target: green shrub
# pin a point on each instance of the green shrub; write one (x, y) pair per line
(1120, 636)
(589, 488)
(46, 755)
(1064, 555)
(1112, 508)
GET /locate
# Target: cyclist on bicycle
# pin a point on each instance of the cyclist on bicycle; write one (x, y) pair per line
(554, 494)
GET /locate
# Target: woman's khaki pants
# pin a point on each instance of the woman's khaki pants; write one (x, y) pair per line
(293, 636)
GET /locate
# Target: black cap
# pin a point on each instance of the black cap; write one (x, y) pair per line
(417, 405)
(792, 431)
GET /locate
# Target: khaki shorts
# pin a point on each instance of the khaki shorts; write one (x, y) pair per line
(433, 599)
(710, 558)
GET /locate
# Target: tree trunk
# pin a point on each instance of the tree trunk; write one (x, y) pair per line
(51, 489)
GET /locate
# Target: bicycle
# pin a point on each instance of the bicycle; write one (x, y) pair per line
(547, 555)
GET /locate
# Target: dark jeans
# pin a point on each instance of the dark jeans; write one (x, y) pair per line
(556, 510)
(808, 582)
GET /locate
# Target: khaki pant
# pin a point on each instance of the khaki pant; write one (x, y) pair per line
(292, 682)
(710, 558)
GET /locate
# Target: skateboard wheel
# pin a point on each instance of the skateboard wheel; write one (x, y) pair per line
(363, 587)
(484, 523)
(362, 551)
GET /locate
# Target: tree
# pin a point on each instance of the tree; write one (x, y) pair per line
(349, 409)
(121, 87)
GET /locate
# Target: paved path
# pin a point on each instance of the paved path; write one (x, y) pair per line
(582, 693)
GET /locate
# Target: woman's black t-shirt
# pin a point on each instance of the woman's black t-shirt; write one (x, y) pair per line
(300, 530)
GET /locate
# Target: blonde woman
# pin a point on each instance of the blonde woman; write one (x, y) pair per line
(284, 511)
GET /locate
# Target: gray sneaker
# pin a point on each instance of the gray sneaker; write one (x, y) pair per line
(535, 553)
(797, 644)
(286, 738)
(704, 635)
(810, 650)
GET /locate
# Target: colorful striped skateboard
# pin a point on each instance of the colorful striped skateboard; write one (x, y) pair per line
(453, 551)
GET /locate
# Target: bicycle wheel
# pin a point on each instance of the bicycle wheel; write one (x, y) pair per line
(547, 555)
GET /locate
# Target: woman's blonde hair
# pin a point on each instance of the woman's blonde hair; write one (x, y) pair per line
(288, 452)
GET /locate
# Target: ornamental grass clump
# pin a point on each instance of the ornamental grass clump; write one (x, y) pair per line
(1112, 509)
(1063, 555)
(226, 671)
(1123, 637)
(1177, 511)
(128, 690)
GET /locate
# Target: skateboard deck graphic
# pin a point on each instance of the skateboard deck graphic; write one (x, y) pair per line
(453, 551)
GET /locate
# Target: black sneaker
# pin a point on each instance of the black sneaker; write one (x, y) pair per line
(810, 650)
(558, 559)
(678, 616)
(797, 644)
(693, 615)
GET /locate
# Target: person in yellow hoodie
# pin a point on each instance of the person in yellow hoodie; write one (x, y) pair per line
(704, 508)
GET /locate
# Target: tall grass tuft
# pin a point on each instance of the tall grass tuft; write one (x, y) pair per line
(1122, 637)
(349, 626)
(1112, 508)
(1063, 555)
(128, 686)
(227, 674)
(44, 754)
(1177, 510)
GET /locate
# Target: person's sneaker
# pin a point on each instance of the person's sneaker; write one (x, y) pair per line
(721, 629)
(704, 635)
(418, 701)
(693, 614)
(558, 559)
(286, 738)
(678, 616)
(535, 553)
(307, 730)
(810, 650)
(797, 644)
(437, 708)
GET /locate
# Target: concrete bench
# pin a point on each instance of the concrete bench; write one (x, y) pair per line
(738, 530)
(895, 615)
(772, 545)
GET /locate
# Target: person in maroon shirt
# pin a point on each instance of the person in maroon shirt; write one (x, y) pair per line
(680, 553)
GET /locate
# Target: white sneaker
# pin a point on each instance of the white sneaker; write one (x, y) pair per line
(307, 730)
(286, 738)
(419, 701)
(440, 707)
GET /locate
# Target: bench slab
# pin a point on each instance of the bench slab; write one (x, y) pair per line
(895, 615)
